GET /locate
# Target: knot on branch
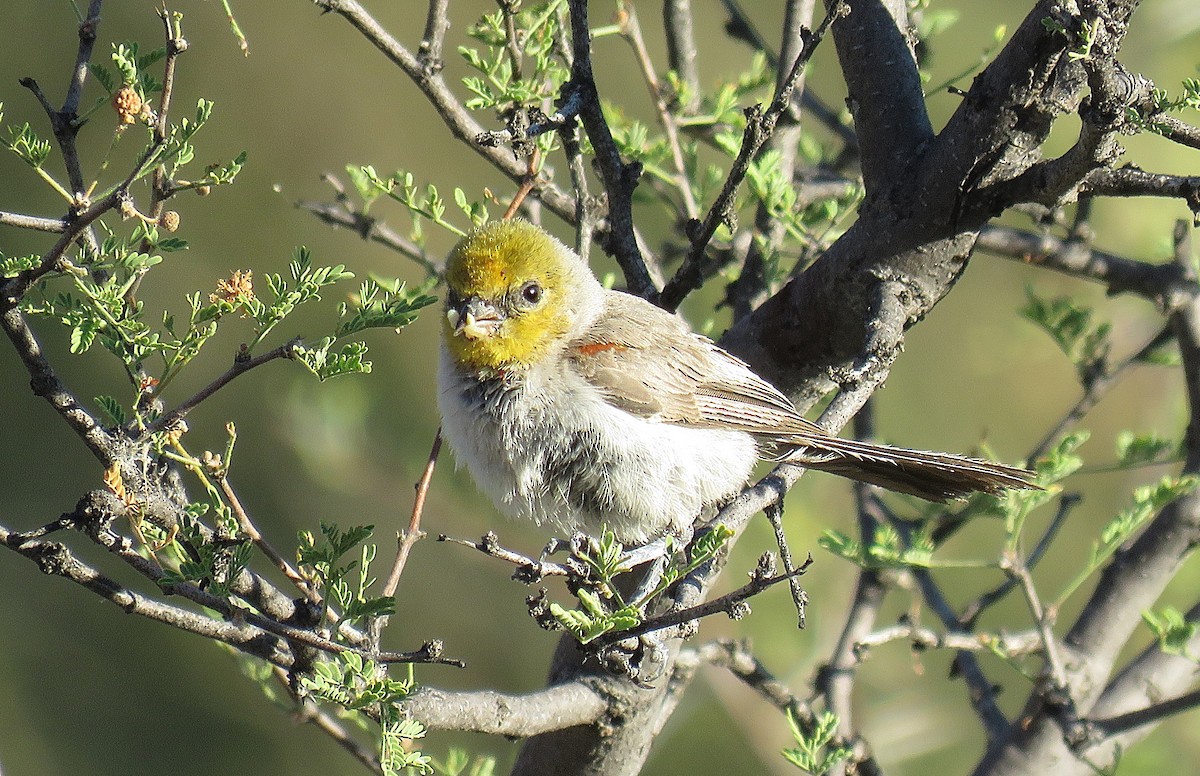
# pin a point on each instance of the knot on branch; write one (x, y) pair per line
(1131, 89)
(94, 514)
(52, 558)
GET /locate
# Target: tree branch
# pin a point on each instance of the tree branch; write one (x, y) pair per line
(619, 178)
(37, 223)
(1132, 583)
(46, 383)
(55, 559)
(555, 708)
(760, 125)
(242, 363)
(1076, 258)
(887, 103)
(429, 80)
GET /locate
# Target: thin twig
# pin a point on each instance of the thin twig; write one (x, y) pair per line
(241, 364)
(527, 184)
(585, 217)
(341, 213)
(741, 28)
(1120, 723)
(1008, 644)
(307, 711)
(489, 545)
(221, 478)
(836, 680)
(1096, 389)
(729, 603)
(774, 515)
(752, 287)
(413, 533)
(760, 125)
(981, 691)
(429, 80)
(619, 178)
(1043, 621)
(65, 121)
(737, 658)
(160, 187)
(970, 614)
(631, 30)
(1078, 259)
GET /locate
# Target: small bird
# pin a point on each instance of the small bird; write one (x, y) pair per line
(581, 407)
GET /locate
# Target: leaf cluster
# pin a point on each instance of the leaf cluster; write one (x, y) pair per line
(343, 583)
(602, 609)
(210, 560)
(532, 43)
(1072, 326)
(360, 685)
(815, 751)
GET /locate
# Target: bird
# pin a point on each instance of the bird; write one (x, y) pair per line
(585, 408)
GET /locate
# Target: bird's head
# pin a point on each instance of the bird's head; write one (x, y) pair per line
(514, 295)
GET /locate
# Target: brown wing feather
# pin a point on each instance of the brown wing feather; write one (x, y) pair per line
(690, 380)
(647, 362)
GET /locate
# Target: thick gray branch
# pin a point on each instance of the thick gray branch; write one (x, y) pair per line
(885, 97)
(517, 716)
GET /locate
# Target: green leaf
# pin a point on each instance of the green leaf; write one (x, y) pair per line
(1083, 340)
(124, 57)
(886, 550)
(30, 148)
(1172, 630)
(364, 184)
(103, 76)
(812, 752)
(1148, 500)
(112, 410)
(326, 364)
(710, 543)
(934, 23)
(1165, 355)
(11, 266)
(1134, 449)
(83, 335)
(382, 303)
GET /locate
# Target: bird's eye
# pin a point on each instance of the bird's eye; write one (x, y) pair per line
(531, 293)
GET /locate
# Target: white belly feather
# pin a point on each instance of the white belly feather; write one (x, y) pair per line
(549, 448)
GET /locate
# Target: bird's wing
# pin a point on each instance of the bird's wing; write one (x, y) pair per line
(647, 362)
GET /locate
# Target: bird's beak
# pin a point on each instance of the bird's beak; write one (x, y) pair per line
(474, 319)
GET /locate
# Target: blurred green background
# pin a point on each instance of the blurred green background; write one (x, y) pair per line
(84, 689)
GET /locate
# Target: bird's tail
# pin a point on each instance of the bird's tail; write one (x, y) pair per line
(928, 475)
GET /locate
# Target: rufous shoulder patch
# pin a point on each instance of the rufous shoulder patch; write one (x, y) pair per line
(592, 348)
